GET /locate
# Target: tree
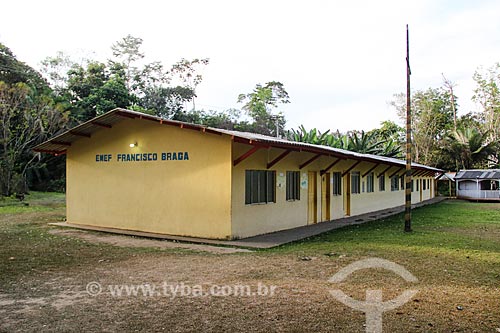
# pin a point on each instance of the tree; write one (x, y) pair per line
(377, 142)
(392, 138)
(470, 149)
(389, 130)
(365, 143)
(487, 95)
(14, 71)
(228, 119)
(313, 136)
(449, 86)
(432, 119)
(259, 104)
(92, 87)
(56, 70)
(26, 119)
(166, 102)
(187, 72)
(95, 90)
(127, 51)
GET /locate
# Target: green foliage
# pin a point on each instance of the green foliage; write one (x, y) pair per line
(94, 90)
(229, 119)
(377, 142)
(389, 130)
(26, 119)
(55, 69)
(90, 88)
(166, 102)
(14, 71)
(313, 136)
(127, 52)
(487, 95)
(259, 104)
(470, 148)
(362, 142)
(390, 148)
(472, 142)
(432, 119)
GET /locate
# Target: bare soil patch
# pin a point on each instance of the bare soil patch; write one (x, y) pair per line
(135, 242)
(45, 274)
(59, 302)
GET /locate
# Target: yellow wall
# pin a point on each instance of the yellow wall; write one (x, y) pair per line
(365, 202)
(205, 195)
(249, 220)
(187, 198)
(254, 219)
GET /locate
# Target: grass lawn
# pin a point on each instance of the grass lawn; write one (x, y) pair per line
(454, 252)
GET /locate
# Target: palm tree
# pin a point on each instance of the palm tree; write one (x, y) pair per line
(365, 143)
(390, 148)
(469, 149)
(361, 142)
(313, 136)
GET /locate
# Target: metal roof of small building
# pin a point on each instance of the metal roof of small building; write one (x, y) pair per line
(58, 144)
(478, 174)
(447, 176)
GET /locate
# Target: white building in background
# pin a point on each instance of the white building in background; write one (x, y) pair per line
(478, 184)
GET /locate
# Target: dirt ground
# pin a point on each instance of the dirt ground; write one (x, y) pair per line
(65, 280)
(128, 241)
(63, 301)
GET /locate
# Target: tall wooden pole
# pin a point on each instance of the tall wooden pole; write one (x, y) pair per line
(408, 137)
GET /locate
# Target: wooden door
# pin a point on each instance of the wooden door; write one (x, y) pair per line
(421, 189)
(325, 197)
(312, 197)
(347, 196)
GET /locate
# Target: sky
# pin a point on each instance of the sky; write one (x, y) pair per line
(340, 61)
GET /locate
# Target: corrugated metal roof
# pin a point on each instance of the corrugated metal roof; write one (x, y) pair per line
(478, 174)
(447, 176)
(59, 143)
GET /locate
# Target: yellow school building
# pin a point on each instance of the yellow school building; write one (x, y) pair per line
(132, 171)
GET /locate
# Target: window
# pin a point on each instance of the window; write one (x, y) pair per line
(418, 183)
(355, 182)
(423, 185)
(260, 186)
(292, 185)
(395, 183)
(402, 182)
(412, 185)
(337, 183)
(369, 182)
(381, 183)
(429, 184)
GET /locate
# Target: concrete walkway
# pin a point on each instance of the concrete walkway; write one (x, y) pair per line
(272, 239)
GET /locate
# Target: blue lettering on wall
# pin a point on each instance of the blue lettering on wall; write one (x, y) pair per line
(103, 157)
(144, 157)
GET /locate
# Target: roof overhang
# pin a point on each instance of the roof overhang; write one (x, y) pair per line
(60, 143)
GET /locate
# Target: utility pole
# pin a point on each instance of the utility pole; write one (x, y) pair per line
(408, 137)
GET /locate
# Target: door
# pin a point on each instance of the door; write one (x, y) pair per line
(421, 189)
(347, 197)
(312, 197)
(325, 197)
